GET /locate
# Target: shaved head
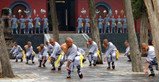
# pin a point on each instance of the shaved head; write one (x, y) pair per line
(29, 43)
(126, 43)
(144, 47)
(105, 43)
(41, 45)
(90, 41)
(52, 41)
(69, 41)
(15, 44)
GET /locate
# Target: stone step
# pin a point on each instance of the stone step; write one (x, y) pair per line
(79, 39)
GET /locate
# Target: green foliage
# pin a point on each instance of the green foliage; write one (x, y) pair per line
(138, 7)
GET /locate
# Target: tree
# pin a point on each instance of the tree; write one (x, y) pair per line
(4, 56)
(152, 10)
(140, 12)
(54, 19)
(93, 23)
(134, 48)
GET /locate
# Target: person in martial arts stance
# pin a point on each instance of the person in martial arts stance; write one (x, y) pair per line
(110, 53)
(29, 52)
(151, 60)
(72, 58)
(17, 52)
(42, 55)
(93, 48)
(83, 53)
(49, 47)
(127, 51)
(55, 54)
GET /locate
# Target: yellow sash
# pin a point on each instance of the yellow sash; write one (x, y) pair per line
(89, 25)
(117, 54)
(108, 23)
(33, 53)
(98, 53)
(82, 24)
(23, 54)
(32, 25)
(57, 62)
(38, 23)
(49, 59)
(81, 60)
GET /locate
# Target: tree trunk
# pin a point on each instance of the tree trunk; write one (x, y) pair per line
(144, 25)
(0, 70)
(54, 19)
(4, 56)
(94, 28)
(134, 48)
(152, 11)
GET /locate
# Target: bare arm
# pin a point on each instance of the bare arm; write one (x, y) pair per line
(146, 67)
(68, 64)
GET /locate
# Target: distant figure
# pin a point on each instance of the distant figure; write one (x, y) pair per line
(16, 51)
(151, 60)
(125, 24)
(119, 24)
(80, 24)
(107, 24)
(45, 25)
(22, 21)
(110, 13)
(37, 24)
(30, 25)
(127, 51)
(14, 25)
(100, 24)
(87, 25)
(113, 24)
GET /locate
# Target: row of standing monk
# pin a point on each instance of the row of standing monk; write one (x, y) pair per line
(109, 24)
(29, 25)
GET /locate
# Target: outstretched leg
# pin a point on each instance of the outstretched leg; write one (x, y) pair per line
(90, 59)
(108, 66)
(79, 71)
(44, 59)
(113, 65)
(53, 63)
(151, 70)
(40, 61)
(32, 58)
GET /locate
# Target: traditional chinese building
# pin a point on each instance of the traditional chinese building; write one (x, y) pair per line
(67, 10)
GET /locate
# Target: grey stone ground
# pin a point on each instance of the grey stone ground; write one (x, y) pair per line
(123, 73)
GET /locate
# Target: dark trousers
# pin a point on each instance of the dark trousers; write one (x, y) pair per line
(30, 58)
(153, 63)
(22, 30)
(14, 31)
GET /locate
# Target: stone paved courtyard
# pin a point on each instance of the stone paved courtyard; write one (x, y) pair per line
(123, 73)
